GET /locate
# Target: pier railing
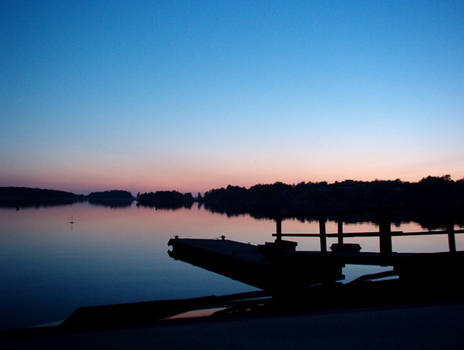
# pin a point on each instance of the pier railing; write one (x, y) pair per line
(385, 235)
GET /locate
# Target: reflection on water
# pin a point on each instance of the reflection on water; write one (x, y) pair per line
(50, 267)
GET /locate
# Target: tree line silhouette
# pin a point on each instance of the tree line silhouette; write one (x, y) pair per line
(113, 198)
(21, 197)
(26, 197)
(432, 198)
(430, 201)
(165, 199)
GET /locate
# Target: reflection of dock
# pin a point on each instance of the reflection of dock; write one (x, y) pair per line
(278, 266)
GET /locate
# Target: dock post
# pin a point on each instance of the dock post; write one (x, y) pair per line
(278, 230)
(340, 232)
(323, 235)
(385, 238)
(451, 238)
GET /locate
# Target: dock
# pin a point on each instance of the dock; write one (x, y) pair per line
(278, 266)
(268, 267)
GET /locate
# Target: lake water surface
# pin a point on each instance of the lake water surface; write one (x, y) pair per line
(49, 267)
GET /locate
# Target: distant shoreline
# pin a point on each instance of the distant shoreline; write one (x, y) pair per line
(21, 197)
(433, 201)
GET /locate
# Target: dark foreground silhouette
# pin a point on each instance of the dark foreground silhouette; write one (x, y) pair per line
(405, 327)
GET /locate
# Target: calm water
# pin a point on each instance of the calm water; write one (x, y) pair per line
(48, 268)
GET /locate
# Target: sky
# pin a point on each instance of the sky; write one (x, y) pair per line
(193, 95)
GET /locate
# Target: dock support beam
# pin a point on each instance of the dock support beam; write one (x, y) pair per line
(340, 232)
(451, 239)
(278, 230)
(385, 238)
(322, 232)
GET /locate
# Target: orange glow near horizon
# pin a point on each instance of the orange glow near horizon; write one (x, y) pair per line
(195, 182)
(137, 176)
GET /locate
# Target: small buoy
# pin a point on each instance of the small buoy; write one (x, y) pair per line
(223, 237)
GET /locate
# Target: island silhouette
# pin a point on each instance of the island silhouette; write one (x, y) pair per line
(113, 198)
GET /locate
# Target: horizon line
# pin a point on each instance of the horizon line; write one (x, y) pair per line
(234, 185)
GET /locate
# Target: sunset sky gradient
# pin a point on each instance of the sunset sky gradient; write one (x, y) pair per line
(191, 95)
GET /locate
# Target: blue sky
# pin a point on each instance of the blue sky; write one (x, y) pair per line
(148, 95)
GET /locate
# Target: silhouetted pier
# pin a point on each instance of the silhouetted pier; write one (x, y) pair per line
(270, 266)
(384, 234)
(278, 265)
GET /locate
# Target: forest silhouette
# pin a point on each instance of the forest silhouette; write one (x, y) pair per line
(432, 201)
